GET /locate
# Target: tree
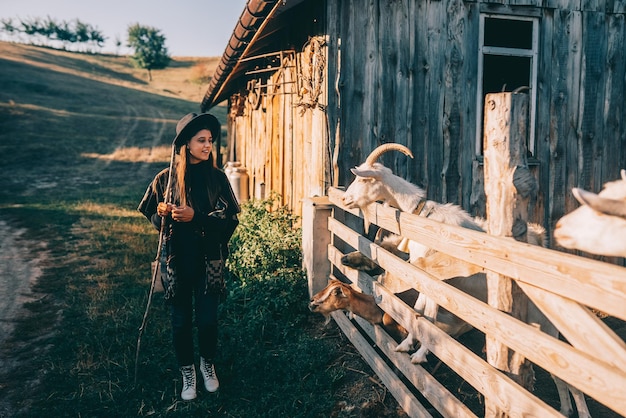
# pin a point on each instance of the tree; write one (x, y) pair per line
(65, 34)
(149, 45)
(8, 27)
(96, 37)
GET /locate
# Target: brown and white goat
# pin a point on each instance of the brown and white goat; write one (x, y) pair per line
(599, 225)
(445, 320)
(341, 296)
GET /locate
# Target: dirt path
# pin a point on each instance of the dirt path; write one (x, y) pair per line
(20, 268)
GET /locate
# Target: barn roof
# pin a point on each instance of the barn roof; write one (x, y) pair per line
(256, 33)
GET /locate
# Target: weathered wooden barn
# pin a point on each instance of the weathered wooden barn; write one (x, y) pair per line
(313, 86)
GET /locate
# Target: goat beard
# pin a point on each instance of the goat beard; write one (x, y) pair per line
(366, 221)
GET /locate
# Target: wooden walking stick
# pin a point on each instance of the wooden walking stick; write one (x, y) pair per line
(155, 273)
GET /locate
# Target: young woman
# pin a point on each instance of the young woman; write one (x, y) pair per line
(198, 220)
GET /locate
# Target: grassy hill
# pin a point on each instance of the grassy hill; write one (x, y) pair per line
(81, 136)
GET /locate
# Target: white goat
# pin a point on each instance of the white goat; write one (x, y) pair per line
(599, 225)
(375, 182)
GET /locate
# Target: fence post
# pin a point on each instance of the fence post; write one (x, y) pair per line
(315, 241)
(508, 186)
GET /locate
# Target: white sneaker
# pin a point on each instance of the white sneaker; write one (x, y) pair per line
(189, 383)
(207, 370)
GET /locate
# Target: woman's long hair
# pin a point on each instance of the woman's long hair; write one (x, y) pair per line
(182, 162)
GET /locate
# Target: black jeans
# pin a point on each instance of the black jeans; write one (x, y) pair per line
(190, 297)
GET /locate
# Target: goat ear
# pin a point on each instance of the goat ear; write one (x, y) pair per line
(365, 173)
(339, 292)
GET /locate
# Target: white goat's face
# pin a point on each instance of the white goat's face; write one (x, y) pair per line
(367, 187)
(597, 226)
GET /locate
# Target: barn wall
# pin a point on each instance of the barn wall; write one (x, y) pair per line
(279, 129)
(406, 72)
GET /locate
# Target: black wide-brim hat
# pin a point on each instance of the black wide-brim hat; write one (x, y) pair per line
(191, 123)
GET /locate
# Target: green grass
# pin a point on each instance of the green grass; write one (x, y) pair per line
(81, 136)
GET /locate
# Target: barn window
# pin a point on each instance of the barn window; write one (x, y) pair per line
(507, 61)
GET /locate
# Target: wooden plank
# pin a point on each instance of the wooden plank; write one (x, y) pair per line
(504, 145)
(436, 21)
(275, 111)
(571, 135)
(615, 67)
(355, 130)
(494, 385)
(592, 105)
(563, 81)
(580, 369)
(367, 57)
(319, 145)
(403, 395)
(421, 101)
(437, 394)
(290, 182)
(394, 58)
(333, 75)
(593, 283)
(581, 327)
(456, 96)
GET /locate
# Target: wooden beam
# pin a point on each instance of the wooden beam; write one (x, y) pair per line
(590, 282)
(583, 370)
(504, 144)
(403, 395)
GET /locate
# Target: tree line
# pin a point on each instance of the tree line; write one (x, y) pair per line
(147, 42)
(51, 32)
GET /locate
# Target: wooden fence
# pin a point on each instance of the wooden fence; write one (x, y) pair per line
(569, 290)
(564, 286)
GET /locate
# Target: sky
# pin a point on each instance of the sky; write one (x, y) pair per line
(192, 28)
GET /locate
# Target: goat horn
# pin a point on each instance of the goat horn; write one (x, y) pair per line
(604, 205)
(380, 150)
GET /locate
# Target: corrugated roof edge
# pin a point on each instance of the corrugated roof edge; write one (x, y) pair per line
(251, 19)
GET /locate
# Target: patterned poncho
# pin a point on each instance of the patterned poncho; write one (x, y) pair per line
(215, 220)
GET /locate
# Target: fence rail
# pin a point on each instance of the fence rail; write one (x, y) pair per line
(563, 286)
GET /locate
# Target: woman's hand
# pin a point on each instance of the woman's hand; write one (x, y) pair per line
(164, 209)
(182, 213)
